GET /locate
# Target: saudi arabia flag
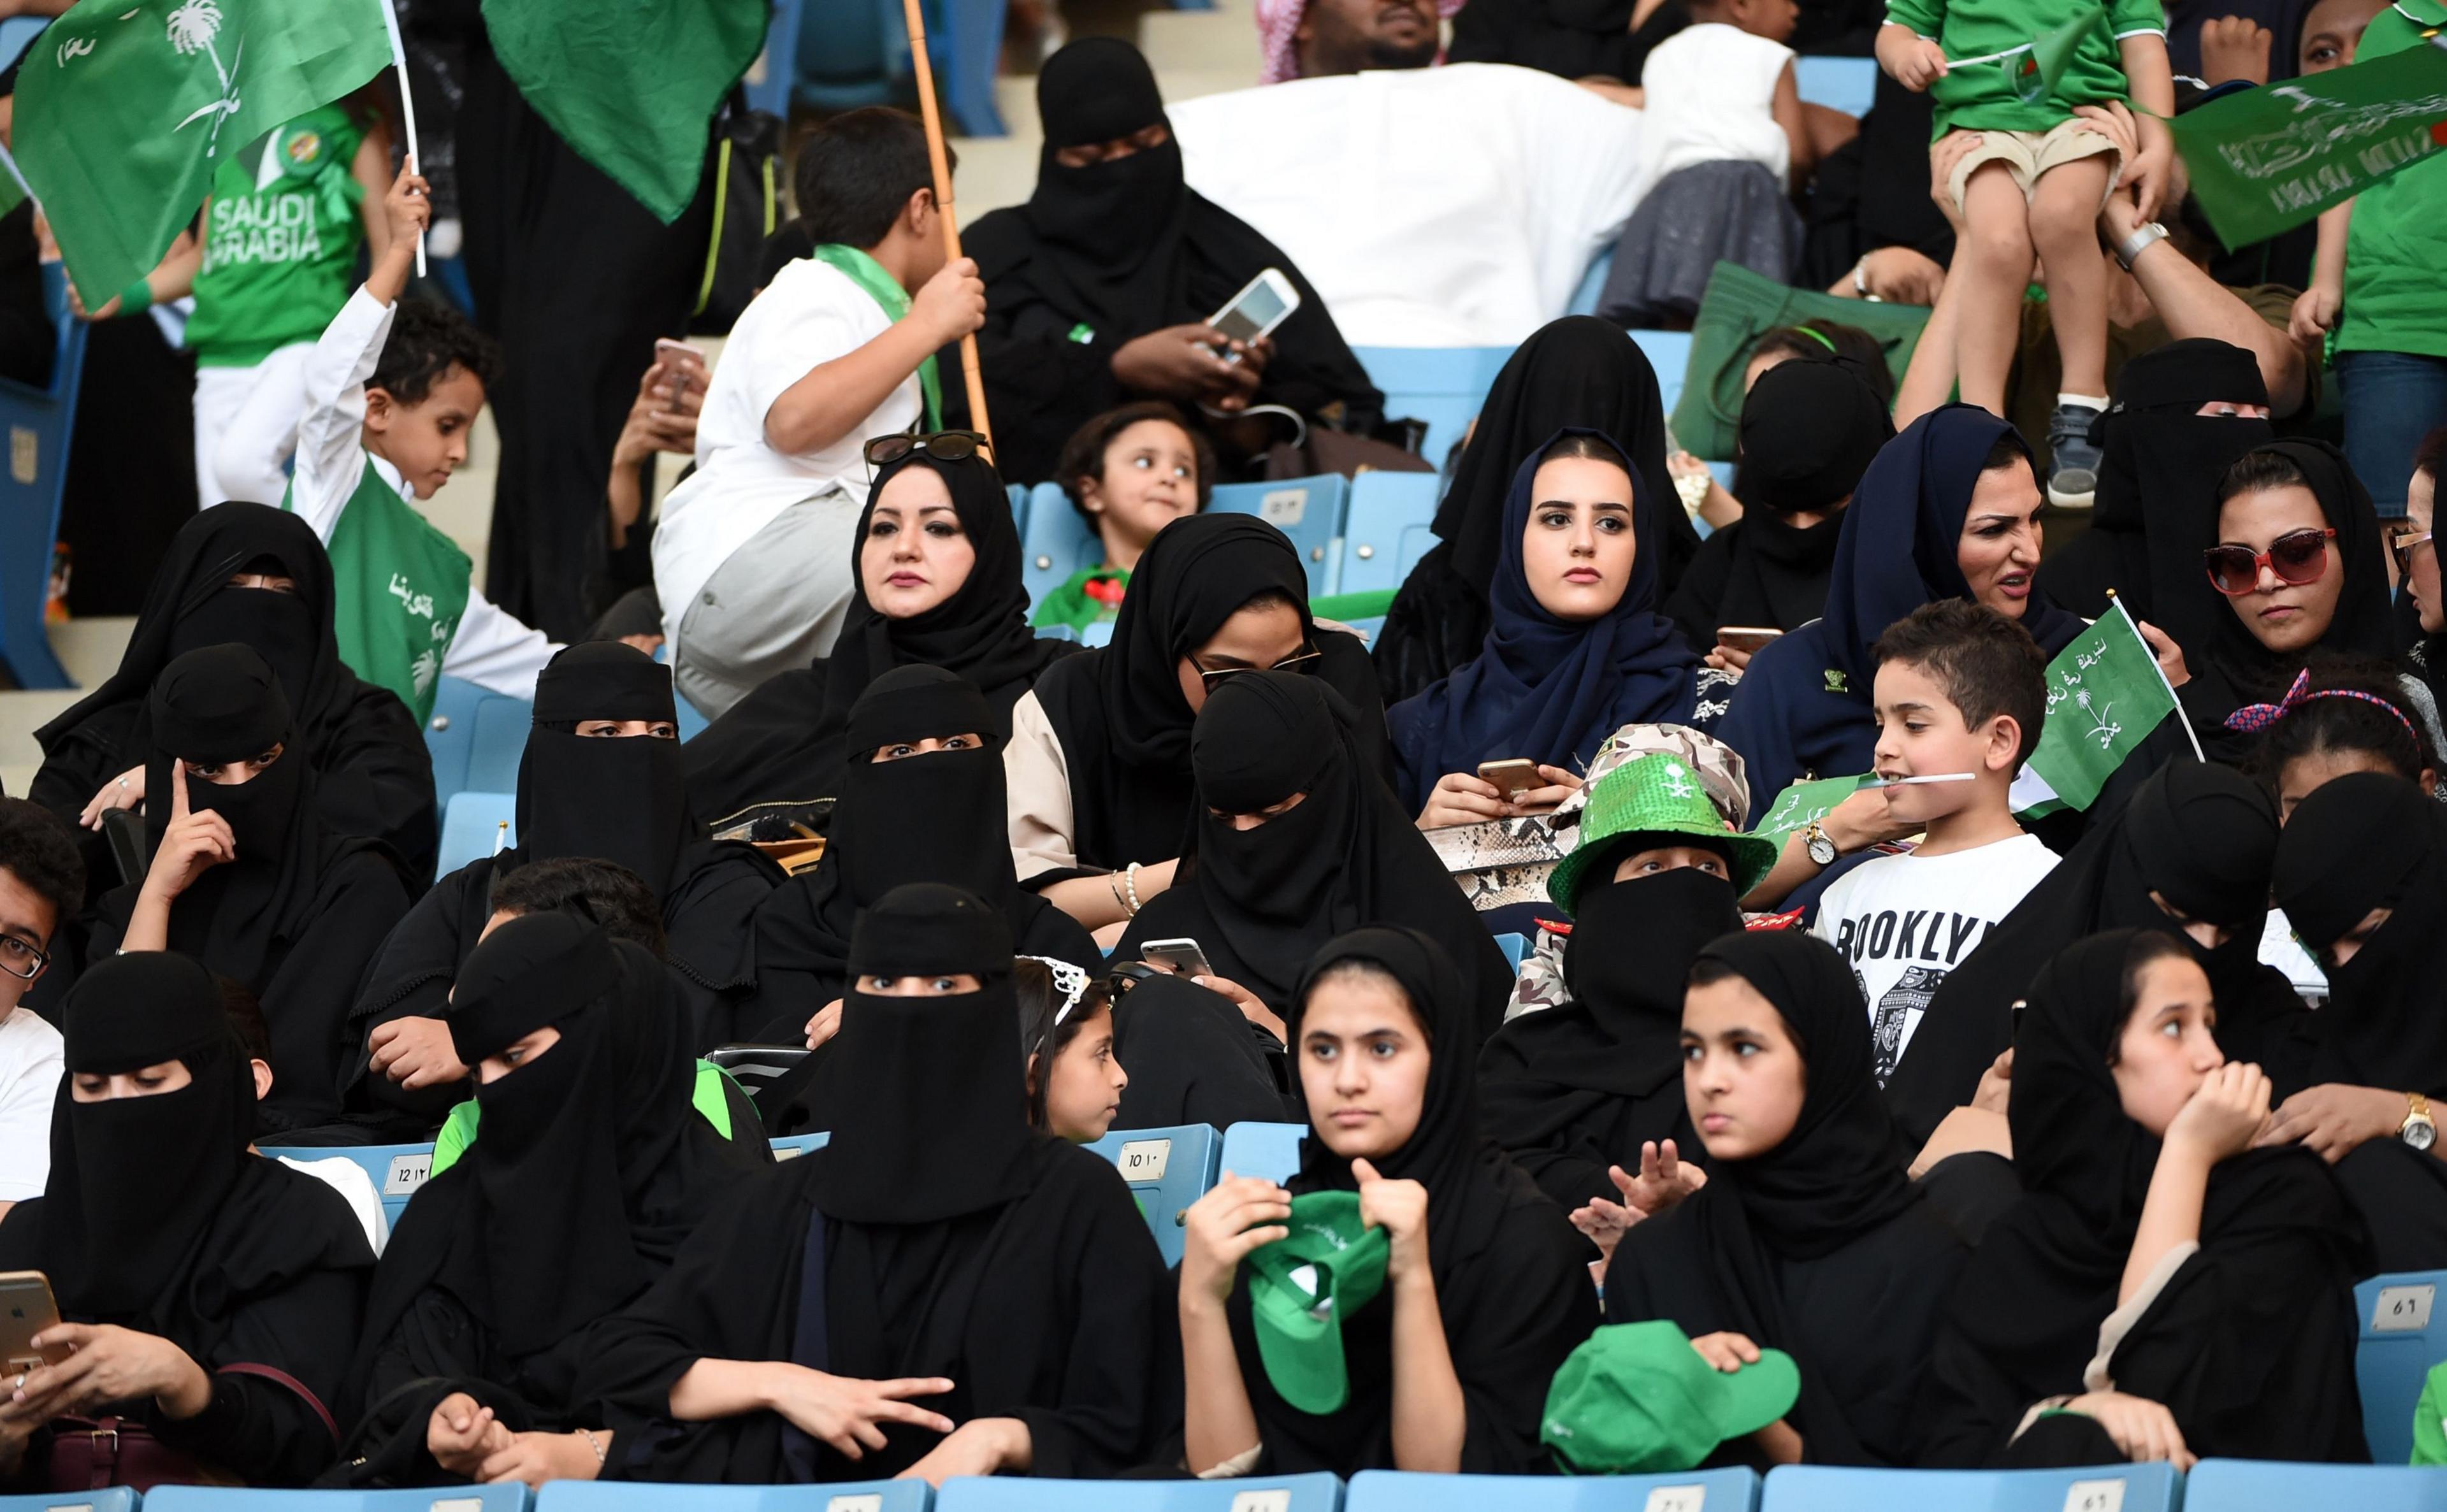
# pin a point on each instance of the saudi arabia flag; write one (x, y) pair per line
(126, 108)
(2105, 695)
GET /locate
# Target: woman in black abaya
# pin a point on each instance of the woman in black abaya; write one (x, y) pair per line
(1384, 1040)
(591, 1169)
(1296, 842)
(1808, 1237)
(1574, 374)
(2191, 855)
(227, 1287)
(2361, 874)
(246, 879)
(1098, 764)
(1095, 287)
(258, 576)
(962, 1294)
(2161, 1291)
(600, 777)
(783, 744)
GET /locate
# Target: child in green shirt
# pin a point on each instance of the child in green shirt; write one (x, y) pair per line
(2029, 175)
(1130, 472)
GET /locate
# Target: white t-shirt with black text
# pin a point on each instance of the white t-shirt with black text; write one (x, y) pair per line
(1903, 922)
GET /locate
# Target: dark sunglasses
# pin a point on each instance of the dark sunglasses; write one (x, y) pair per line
(2401, 546)
(943, 445)
(2297, 558)
(1297, 662)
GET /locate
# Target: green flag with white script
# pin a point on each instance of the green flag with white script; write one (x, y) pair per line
(1803, 802)
(125, 108)
(2105, 695)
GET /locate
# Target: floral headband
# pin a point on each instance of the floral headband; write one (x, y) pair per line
(1068, 979)
(2252, 717)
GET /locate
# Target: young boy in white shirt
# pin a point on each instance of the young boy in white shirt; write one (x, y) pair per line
(42, 885)
(1959, 698)
(391, 391)
(754, 559)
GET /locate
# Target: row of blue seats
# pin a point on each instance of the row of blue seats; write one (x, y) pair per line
(2213, 1485)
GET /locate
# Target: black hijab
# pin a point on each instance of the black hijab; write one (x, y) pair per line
(1576, 373)
(1509, 1274)
(155, 1214)
(1118, 710)
(1261, 901)
(784, 742)
(2202, 835)
(2366, 840)
(928, 1095)
(933, 818)
(618, 799)
(1570, 1089)
(2163, 461)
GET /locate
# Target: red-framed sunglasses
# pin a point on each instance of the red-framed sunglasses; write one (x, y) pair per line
(2297, 558)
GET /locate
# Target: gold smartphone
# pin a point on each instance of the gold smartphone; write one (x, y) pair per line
(1512, 777)
(27, 1308)
(1750, 639)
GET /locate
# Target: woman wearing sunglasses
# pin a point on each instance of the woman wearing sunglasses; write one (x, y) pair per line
(936, 581)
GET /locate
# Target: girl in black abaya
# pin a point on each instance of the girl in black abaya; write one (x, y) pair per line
(218, 1289)
(1573, 373)
(783, 743)
(2361, 874)
(1098, 764)
(937, 1264)
(600, 777)
(1808, 1237)
(591, 1169)
(246, 879)
(1097, 288)
(258, 576)
(1296, 842)
(2162, 1291)
(1486, 1290)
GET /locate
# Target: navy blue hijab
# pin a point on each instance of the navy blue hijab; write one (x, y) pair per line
(1803, 704)
(1543, 688)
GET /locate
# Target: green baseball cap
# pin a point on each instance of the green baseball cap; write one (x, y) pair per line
(1636, 1398)
(1657, 795)
(1301, 1288)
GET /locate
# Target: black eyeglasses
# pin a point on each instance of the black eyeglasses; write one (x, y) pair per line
(20, 958)
(943, 445)
(1297, 662)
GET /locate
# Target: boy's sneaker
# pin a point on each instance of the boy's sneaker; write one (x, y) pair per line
(2073, 468)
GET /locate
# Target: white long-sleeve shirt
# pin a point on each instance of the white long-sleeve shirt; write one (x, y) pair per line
(492, 649)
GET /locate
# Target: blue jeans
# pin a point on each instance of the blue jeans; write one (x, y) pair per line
(2392, 399)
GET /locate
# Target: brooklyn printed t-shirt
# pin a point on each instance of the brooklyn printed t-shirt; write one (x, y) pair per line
(1904, 922)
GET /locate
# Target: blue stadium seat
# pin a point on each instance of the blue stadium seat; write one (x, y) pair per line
(117, 1497)
(1168, 1169)
(2401, 1341)
(1442, 386)
(397, 1170)
(2098, 1488)
(1019, 495)
(2266, 1486)
(1278, 1493)
(849, 1496)
(1309, 510)
(1054, 543)
(791, 1147)
(1386, 529)
(476, 738)
(1099, 633)
(1271, 1150)
(472, 828)
(1669, 353)
(1515, 948)
(767, 81)
(1733, 1490)
(856, 52)
(39, 421)
(510, 1498)
(1839, 84)
(1584, 298)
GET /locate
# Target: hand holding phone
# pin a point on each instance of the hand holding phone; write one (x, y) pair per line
(678, 366)
(1748, 640)
(1180, 956)
(27, 1308)
(1511, 777)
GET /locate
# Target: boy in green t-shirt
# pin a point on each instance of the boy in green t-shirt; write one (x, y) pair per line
(2029, 175)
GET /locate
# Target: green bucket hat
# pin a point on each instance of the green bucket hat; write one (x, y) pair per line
(1653, 795)
(1636, 1398)
(1301, 1288)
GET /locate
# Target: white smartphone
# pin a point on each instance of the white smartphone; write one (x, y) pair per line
(1182, 955)
(1263, 303)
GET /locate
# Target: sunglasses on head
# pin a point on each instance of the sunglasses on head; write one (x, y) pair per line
(2297, 558)
(943, 445)
(2401, 546)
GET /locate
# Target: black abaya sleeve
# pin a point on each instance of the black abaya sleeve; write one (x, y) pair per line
(1527, 1304)
(374, 780)
(411, 977)
(1192, 1058)
(1693, 603)
(306, 1005)
(74, 768)
(260, 1428)
(710, 935)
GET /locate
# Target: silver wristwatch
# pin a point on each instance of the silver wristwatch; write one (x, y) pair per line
(2134, 245)
(1814, 840)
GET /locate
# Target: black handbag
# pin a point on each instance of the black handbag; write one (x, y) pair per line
(747, 206)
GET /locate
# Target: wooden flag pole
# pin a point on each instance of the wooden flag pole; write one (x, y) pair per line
(913, 12)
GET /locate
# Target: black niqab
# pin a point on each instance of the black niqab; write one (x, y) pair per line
(617, 799)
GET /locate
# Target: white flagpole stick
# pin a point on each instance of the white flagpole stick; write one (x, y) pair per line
(11, 164)
(406, 105)
(2180, 720)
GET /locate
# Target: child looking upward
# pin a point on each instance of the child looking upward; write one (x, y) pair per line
(2029, 175)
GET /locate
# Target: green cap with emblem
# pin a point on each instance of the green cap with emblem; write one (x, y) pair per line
(1658, 796)
(1301, 1288)
(1636, 1398)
